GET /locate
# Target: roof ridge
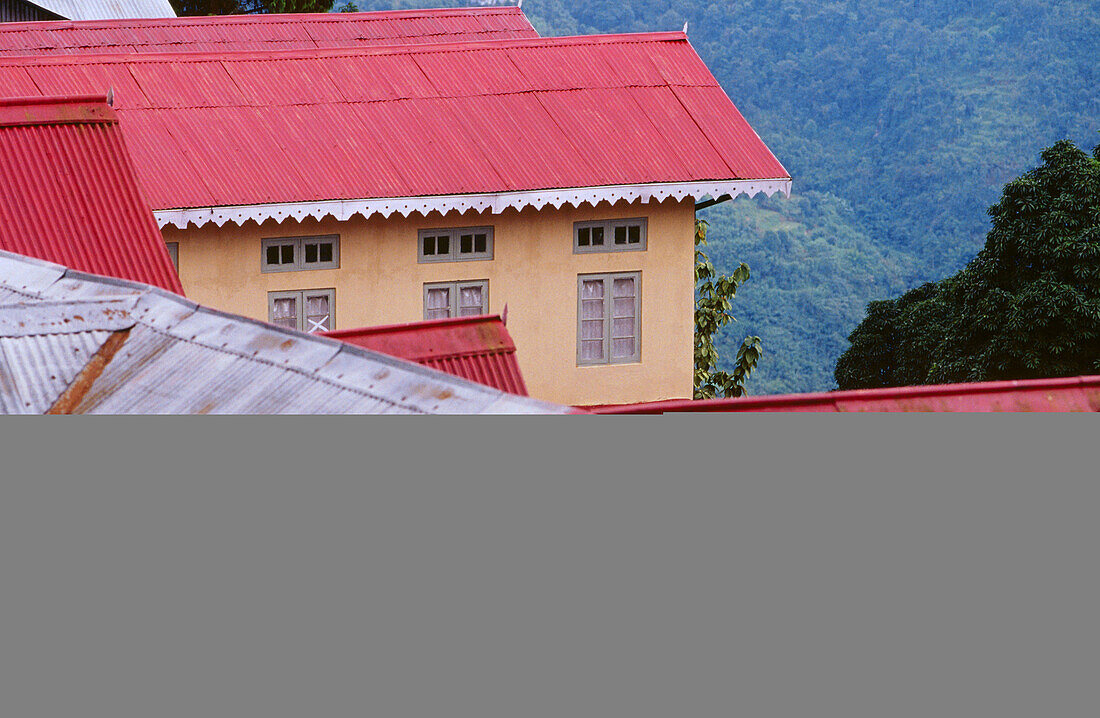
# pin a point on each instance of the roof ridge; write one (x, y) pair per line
(397, 48)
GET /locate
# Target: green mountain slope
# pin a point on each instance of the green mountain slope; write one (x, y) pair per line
(899, 121)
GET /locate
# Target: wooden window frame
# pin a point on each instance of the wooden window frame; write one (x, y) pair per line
(454, 235)
(455, 288)
(609, 226)
(609, 283)
(299, 244)
(300, 306)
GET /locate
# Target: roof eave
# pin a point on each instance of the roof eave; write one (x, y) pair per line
(492, 202)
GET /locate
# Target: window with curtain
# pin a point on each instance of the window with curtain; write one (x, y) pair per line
(608, 318)
(308, 310)
(443, 300)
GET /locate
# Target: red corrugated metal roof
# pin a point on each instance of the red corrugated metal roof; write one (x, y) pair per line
(475, 348)
(287, 31)
(70, 195)
(230, 129)
(1071, 394)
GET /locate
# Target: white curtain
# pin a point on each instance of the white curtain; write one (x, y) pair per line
(439, 303)
(285, 312)
(318, 314)
(623, 321)
(592, 319)
(470, 301)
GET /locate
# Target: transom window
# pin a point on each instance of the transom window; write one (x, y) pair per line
(454, 245)
(443, 300)
(290, 254)
(308, 310)
(609, 318)
(612, 235)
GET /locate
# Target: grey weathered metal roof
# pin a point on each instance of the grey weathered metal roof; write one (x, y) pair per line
(78, 343)
(106, 9)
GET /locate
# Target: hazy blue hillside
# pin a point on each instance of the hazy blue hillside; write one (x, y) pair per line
(899, 122)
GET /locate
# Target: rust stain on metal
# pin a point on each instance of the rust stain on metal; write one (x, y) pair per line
(72, 396)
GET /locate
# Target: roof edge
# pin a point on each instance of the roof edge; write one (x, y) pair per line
(56, 110)
(491, 202)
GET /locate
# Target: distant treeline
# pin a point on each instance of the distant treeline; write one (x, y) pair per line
(899, 121)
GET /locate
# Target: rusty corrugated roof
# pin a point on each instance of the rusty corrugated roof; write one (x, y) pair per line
(70, 194)
(78, 343)
(1068, 394)
(474, 119)
(284, 31)
(476, 348)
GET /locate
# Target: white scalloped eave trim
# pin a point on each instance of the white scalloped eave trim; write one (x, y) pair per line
(494, 203)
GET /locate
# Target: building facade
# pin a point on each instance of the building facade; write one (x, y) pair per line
(570, 346)
(328, 189)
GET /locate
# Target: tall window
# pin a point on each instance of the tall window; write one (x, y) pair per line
(309, 310)
(609, 318)
(291, 254)
(455, 245)
(612, 235)
(443, 300)
(174, 253)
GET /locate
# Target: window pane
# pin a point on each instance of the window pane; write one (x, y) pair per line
(311, 253)
(466, 244)
(439, 303)
(592, 350)
(622, 307)
(622, 348)
(634, 234)
(470, 301)
(592, 328)
(286, 252)
(480, 243)
(318, 313)
(592, 289)
(443, 244)
(623, 287)
(429, 246)
(597, 236)
(584, 237)
(620, 235)
(326, 252)
(284, 312)
(272, 255)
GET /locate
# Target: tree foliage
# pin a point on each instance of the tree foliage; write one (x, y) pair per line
(1027, 306)
(244, 7)
(714, 299)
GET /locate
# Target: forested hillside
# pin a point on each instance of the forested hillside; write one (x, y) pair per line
(899, 121)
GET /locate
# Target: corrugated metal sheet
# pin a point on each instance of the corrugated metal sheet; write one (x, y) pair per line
(476, 348)
(107, 9)
(176, 357)
(70, 194)
(252, 128)
(1070, 394)
(282, 31)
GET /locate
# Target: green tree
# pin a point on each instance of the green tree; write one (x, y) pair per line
(1027, 306)
(714, 299)
(242, 7)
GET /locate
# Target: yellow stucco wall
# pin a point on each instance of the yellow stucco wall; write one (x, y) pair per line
(534, 271)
